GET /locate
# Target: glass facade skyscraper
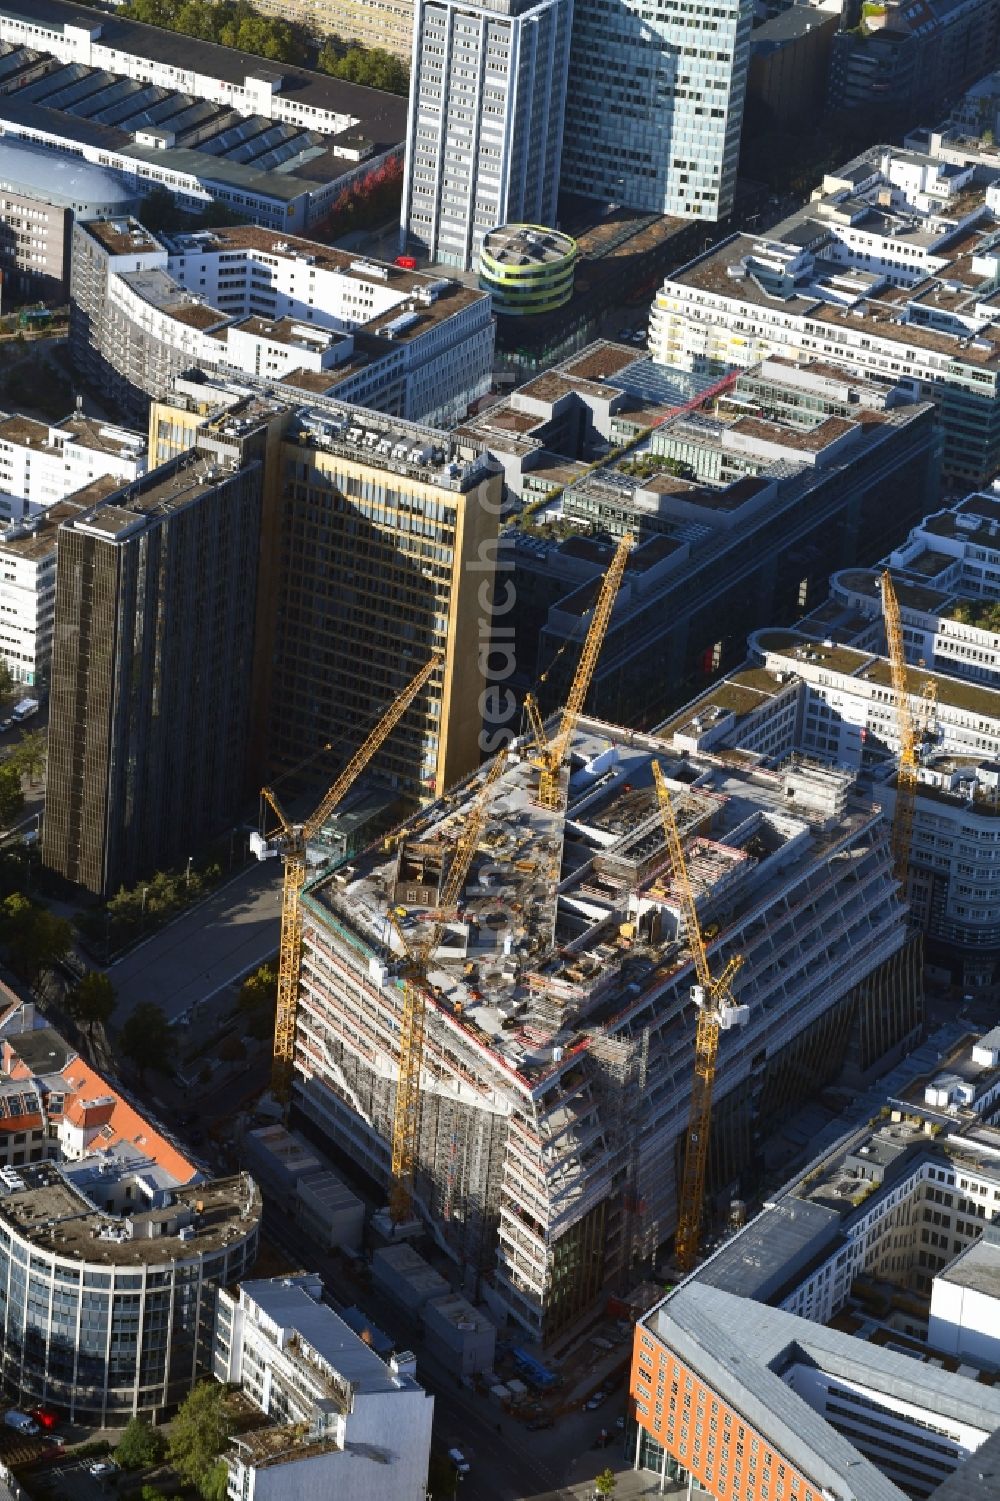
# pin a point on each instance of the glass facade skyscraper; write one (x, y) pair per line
(654, 112)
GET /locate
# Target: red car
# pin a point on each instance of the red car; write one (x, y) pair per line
(44, 1417)
(407, 262)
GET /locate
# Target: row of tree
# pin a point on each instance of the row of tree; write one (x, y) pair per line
(139, 909)
(198, 1436)
(369, 200)
(235, 23)
(231, 23)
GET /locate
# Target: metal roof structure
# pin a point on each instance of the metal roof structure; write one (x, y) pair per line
(56, 177)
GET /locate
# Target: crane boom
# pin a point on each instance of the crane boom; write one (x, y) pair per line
(906, 774)
(552, 757)
(293, 840)
(716, 1009)
(406, 1114)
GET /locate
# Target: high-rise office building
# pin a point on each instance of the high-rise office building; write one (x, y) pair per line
(653, 118)
(484, 135)
(151, 670)
(379, 544)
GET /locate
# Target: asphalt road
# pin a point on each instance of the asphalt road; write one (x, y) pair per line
(201, 953)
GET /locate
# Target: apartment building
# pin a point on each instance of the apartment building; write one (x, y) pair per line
(654, 115)
(559, 1026)
(42, 463)
(947, 580)
(374, 23)
(485, 129)
(379, 540)
(41, 192)
(152, 664)
(888, 271)
(911, 61)
(113, 1244)
(803, 1411)
(48, 473)
(824, 690)
(146, 308)
(342, 1420)
(209, 124)
(741, 507)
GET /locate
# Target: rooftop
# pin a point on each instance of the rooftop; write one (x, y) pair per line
(42, 1203)
(527, 245)
(573, 960)
(978, 1266)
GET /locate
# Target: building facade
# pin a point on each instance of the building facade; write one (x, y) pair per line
(113, 1316)
(654, 115)
(41, 192)
(527, 269)
(147, 308)
(775, 1365)
(379, 538)
(343, 1421)
(206, 123)
(151, 671)
(751, 496)
(485, 128)
(559, 1032)
(869, 277)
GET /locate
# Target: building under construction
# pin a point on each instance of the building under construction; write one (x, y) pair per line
(559, 1028)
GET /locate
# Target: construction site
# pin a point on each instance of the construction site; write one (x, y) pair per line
(557, 1026)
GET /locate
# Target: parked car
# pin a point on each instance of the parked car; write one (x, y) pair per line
(5, 725)
(596, 1401)
(21, 1422)
(44, 1417)
(459, 1460)
(102, 1469)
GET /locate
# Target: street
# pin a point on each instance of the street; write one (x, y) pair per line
(201, 953)
(507, 1462)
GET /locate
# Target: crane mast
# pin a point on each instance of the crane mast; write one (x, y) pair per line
(419, 952)
(553, 753)
(717, 1011)
(293, 840)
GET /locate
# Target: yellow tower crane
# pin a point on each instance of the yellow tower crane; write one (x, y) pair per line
(906, 775)
(717, 1012)
(292, 842)
(419, 952)
(553, 752)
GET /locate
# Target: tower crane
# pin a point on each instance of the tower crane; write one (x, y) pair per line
(717, 1012)
(292, 842)
(552, 752)
(419, 952)
(906, 775)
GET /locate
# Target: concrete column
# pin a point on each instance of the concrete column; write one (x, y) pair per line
(663, 1470)
(638, 1446)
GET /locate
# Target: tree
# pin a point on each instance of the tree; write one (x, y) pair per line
(11, 794)
(257, 999)
(30, 754)
(92, 1001)
(605, 1483)
(7, 684)
(371, 66)
(36, 939)
(146, 1038)
(139, 1446)
(197, 1439)
(151, 1493)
